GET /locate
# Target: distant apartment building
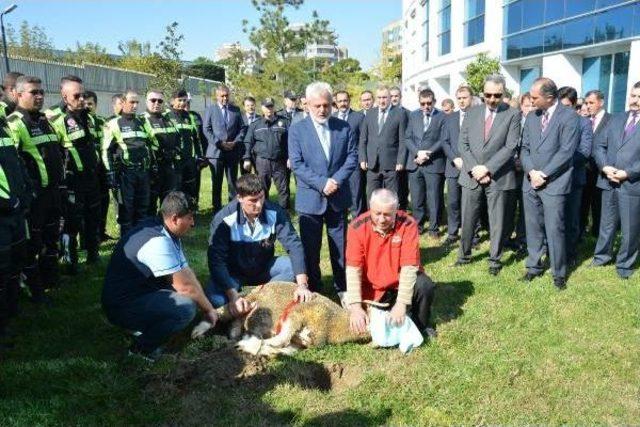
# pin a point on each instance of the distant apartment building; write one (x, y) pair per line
(392, 36)
(327, 50)
(587, 44)
(250, 62)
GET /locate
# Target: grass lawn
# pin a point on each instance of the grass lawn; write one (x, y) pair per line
(507, 353)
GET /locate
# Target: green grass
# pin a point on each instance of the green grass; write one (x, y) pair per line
(507, 353)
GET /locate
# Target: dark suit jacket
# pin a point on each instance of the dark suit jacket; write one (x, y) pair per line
(613, 149)
(217, 131)
(552, 151)
(497, 154)
(582, 154)
(312, 169)
(354, 118)
(415, 139)
(450, 136)
(245, 120)
(383, 151)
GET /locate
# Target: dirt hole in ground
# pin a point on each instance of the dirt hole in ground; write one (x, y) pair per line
(224, 367)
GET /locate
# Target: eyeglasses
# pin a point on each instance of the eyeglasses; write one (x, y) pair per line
(77, 95)
(493, 95)
(36, 92)
(156, 100)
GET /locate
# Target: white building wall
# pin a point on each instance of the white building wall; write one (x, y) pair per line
(564, 70)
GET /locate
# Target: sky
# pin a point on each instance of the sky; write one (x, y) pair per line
(206, 24)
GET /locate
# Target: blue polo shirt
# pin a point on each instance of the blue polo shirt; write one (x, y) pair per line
(142, 262)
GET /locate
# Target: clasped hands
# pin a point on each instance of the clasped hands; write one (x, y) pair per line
(330, 187)
(227, 145)
(614, 175)
(422, 157)
(537, 179)
(481, 174)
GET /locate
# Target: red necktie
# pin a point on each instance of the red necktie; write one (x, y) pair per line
(545, 121)
(488, 122)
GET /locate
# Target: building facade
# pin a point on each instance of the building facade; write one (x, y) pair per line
(587, 44)
(392, 37)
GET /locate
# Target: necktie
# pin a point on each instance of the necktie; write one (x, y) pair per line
(593, 123)
(381, 119)
(426, 121)
(225, 114)
(631, 125)
(325, 139)
(488, 122)
(545, 121)
(462, 114)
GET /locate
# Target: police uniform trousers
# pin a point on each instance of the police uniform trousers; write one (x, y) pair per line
(41, 267)
(80, 206)
(267, 170)
(189, 175)
(133, 197)
(104, 200)
(13, 254)
(163, 181)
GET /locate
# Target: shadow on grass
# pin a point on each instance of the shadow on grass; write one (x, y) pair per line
(449, 300)
(221, 385)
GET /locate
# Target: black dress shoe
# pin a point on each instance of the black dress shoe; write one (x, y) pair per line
(528, 277)
(560, 283)
(494, 271)
(450, 240)
(434, 234)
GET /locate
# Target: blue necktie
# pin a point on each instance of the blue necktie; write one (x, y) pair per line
(225, 115)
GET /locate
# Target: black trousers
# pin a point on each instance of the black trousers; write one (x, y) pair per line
(454, 197)
(591, 201)
(80, 207)
(426, 196)
(104, 201)
(13, 254)
(225, 166)
(423, 294)
(381, 179)
(357, 184)
(166, 179)
(189, 177)
(41, 266)
(514, 221)
(403, 189)
(133, 197)
(275, 170)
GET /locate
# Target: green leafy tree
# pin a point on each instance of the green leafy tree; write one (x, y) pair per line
(29, 42)
(479, 69)
(92, 53)
(206, 69)
(389, 69)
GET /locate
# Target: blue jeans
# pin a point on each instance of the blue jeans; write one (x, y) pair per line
(158, 315)
(279, 269)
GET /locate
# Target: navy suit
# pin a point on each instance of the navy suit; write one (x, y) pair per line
(550, 152)
(574, 200)
(357, 179)
(223, 162)
(620, 202)
(426, 181)
(312, 170)
(591, 194)
(451, 134)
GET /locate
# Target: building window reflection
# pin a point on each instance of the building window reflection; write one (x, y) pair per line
(444, 37)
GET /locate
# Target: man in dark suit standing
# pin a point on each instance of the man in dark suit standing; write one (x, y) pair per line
(488, 141)
(249, 106)
(323, 155)
(223, 127)
(426, 161)
(357, 179)
(569, 97)
(617, 153)
(591, 196)
(290, 110)
(451, 134)
(366, 101)
(381, 149)
(549, 140)
(395, 97)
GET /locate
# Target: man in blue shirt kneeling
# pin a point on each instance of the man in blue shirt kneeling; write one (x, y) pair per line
(149, 286)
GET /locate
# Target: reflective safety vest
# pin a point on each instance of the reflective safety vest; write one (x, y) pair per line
(189, 132)
(78, 140)
(167, 136)
(14, 180)
(39, 145)
(128, 140)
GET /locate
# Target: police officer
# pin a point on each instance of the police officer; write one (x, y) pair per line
(266, 140)
(91, 103)
(9, 95)
(290, 110)
(15, 197)
(42, 153)
(191, 148)
(128, 156)
(166, 146)
(77, 131)
(196, 120)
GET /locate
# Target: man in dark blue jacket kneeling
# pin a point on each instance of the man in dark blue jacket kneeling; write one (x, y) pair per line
(242, 244)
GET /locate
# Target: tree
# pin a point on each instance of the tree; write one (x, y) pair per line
(92, 53)
(389, 69)
(479, 69)
(134, 48)
(29, 42)
(206, 69)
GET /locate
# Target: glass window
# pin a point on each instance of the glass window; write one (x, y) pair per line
(578, 32)
(474, 26)
(577, 7)
(554, 10)
(513, 47)
(596, 73)
(605, 3)
(553, 38)
(444, 38)
(425, 46)
(636, 20)
(614, 24)
(527, 77)
(531, 43)
(617, 98)
(513, 17)
(532, 12)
